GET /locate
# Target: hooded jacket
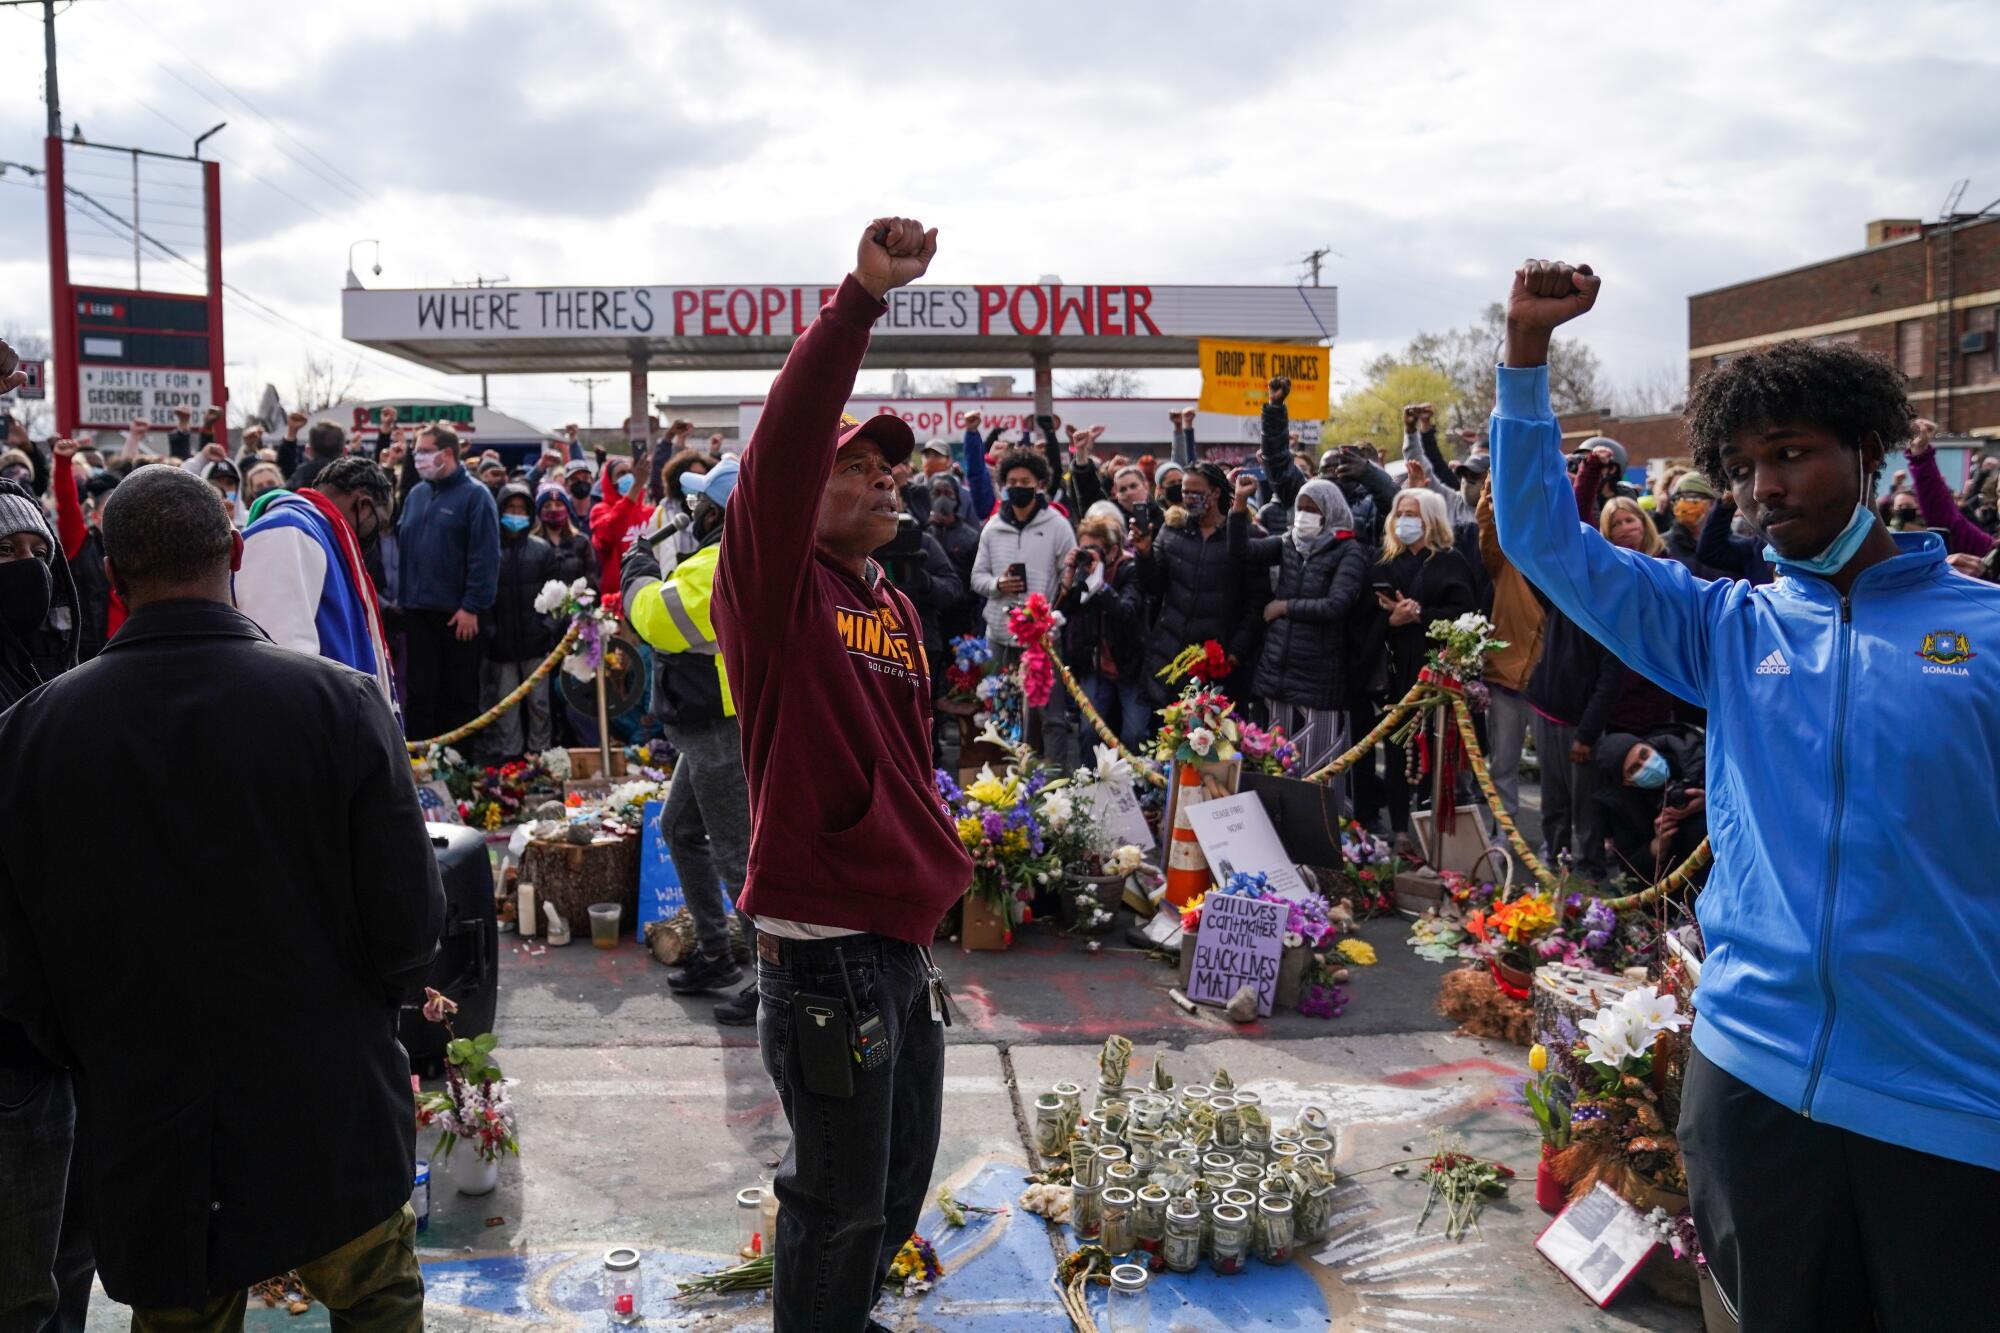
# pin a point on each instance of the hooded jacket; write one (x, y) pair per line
(520, 632)
(1304, 661)
(1040, 543)
(1203, 593)
(1851, 966)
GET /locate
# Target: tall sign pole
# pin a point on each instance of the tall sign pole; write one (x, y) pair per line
(211, 198)
(62, 306)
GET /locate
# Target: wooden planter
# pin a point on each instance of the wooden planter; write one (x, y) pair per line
(983, 930)
(584, 765)
(572, 876)
(1108, 890)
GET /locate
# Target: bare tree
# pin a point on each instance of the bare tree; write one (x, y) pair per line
(34, 414)
(1659, 389)
(1466, 357)
(1102, 384)
(320, 383)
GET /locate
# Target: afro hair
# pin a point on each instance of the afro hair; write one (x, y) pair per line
(1840, 389)
(1026, 458)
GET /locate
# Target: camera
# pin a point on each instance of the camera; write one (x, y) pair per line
(1677, 795)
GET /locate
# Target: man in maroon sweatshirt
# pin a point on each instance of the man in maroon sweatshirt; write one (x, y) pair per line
(853, 858)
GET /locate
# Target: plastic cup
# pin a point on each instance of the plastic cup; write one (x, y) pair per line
(604, 925)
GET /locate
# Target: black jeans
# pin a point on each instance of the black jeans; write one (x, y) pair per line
(46, 1261)
(1809, 1227)
(859, 1168)
(442, 688)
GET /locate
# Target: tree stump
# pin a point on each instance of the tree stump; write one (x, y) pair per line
(573, 876)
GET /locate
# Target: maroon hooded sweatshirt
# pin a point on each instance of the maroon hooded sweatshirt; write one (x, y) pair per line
(829, 676)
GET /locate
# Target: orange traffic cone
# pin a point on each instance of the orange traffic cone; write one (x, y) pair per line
(1187, 868)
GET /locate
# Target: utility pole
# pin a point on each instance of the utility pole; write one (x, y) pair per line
(590, 383)
(49, 67)
(1313, 259)
(477, 280)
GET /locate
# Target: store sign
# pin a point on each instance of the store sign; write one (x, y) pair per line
(114, 395)
(1050, 310)
(36, 387)
(1236, 376)
(1130, 423)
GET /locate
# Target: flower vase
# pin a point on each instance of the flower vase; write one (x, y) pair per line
(1551, 1196)
(474, 1174)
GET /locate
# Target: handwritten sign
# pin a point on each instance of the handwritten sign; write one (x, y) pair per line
(1238, 945)
(1114, 807)
(1236, 834)
(660, 895)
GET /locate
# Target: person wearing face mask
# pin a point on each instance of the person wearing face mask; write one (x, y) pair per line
(1021, 549)
(960, 539)
(1202, 591)
(1320, 574)
(259, 478)
(1104, 628)
(522, 636)
(220, 473)
(448, 552)
(99, 609)
(45, 1253)
(1650, 798)
(1838, 1116)
(578, 476)
(555, 523)
(304, 578)
(1692, 497)
(617, 519)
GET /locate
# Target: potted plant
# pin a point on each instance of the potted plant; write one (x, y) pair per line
(1550, 1100)
(473, 1104)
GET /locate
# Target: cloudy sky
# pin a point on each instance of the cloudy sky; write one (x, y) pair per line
(1677, 148)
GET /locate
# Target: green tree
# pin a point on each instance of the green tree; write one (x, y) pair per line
(1374, 411)
(1466, 358)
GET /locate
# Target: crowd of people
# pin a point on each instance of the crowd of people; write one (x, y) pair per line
(419, 563)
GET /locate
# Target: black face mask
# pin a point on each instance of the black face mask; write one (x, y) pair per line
(26, 589)
(1172, 491)
(1021, 496)
(371, 540)
(580, 489)
(945, 505)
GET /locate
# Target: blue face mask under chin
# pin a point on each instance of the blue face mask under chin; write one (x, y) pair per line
(1652, 774)
(1838, 552)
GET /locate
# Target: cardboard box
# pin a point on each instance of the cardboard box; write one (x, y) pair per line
(1418, 890)
(981, 928)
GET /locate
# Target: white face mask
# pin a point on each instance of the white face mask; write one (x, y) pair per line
(428, 464)
(1409, 531)
(1306, 524)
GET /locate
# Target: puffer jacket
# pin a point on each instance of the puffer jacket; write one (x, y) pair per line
(1203, 593)
(521, 633)
(1305, 650)
(575, 558)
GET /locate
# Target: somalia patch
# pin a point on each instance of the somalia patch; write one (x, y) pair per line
(1946, 651)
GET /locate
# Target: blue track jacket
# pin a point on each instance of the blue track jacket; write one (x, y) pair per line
(1853, 915)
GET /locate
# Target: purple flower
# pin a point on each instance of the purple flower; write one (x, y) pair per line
(948, 789)
(996, 828)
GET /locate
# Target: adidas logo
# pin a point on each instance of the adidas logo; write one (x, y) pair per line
(1774, 665)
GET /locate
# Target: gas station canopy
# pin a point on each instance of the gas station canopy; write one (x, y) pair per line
(532, 330)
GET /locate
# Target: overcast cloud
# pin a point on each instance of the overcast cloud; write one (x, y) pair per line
(629, 141)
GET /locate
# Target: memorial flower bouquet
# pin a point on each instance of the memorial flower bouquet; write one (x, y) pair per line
(1199, 726)
(1000, 822)
(594, 619)
(1462, 646)
(1627, 1073)
(473, 1105)
(1269, 751)
(1370, 866)
(970, 658)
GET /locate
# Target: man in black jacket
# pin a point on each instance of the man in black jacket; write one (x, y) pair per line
(171, 966)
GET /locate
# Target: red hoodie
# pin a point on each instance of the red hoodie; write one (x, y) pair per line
(613, 524)
(829, 675)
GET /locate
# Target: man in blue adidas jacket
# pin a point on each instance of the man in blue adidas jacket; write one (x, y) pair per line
(1841, 1114)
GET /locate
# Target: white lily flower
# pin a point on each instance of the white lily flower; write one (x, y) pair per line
(1659, 1013)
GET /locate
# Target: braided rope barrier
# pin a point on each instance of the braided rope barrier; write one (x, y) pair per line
(1141, 765)
(493, 714)
(1484, 776)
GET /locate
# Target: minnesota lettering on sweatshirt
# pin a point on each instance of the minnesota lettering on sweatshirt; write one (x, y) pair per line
(832, 687)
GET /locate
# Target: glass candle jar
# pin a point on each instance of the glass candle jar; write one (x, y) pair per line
(1228, 1122)
(1230, 1238)
(1246, 1098)
(624, 1287)
(1319, 1147)
(1248, 1174)
(1149, 1219)
(1149, 1112)
(1180, 1252)
(1244, 1199)
(1122, 1173)
(750, 1222)
(1071, 1095)
(1116, 1203)
(1126, 1308)
(1312, 1215)
(1283, 1150)
(1144, 1150)
(1084, 1168)
(1051, 1125)
(1086, 1212)
(1107, 1153)
(1274, 1229)
(1195, 1094)
(1218, 1163)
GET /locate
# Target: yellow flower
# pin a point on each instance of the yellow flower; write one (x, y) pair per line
(1359, 952)
(970, 831)
(989, 792)
(1538, 1057)
(1015, 841)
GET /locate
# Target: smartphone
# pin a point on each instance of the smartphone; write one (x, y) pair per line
(1384, 586)
(1018, 570)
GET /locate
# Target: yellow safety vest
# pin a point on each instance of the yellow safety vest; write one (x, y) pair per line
(676, 615)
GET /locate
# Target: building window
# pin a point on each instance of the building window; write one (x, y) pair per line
(1982, 367)
(1910, 348)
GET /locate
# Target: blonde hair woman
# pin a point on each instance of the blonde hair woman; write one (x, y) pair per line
(1419, 580)
(1624, 524)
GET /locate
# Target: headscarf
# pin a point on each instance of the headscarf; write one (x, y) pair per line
(1339, 519)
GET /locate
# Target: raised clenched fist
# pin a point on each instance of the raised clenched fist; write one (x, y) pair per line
(893, 253)
(1549, 292)
(1278, 388)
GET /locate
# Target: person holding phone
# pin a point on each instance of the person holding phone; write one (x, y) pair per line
(1021, 552)
(1421, 579)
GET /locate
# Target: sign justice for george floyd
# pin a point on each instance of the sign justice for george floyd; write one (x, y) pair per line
(1053, 310)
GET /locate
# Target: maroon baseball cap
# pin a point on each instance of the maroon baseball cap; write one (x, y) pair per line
(892, 435)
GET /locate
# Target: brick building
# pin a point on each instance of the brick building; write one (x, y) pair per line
(1923, 294)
